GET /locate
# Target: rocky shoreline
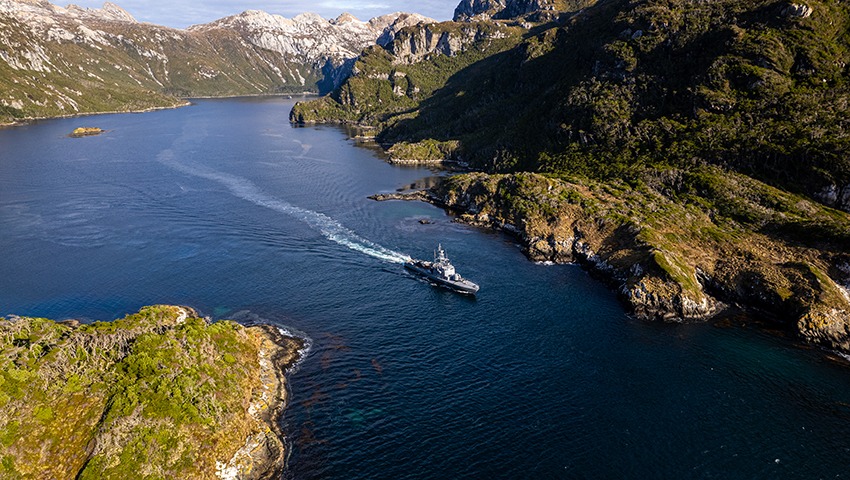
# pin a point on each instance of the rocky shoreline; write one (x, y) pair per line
(675, 267)
(25, 120)
(263, 454)
(161, 393)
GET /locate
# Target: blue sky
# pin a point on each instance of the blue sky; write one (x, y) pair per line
(181, 14)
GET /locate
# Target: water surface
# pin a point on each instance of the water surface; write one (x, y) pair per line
(225, 207)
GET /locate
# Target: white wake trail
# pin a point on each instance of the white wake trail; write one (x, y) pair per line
(329, 228)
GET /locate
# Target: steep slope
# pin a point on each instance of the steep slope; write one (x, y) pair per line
(71, 60)
(752, 86)
(691, 150)
(390, 80)
(314, 48)
(532, 10)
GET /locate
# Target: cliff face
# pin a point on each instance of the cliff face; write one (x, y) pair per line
(668, 257)
(693, 151)
(413, 45)
(392, 78)
(59, 61)
(534, 10)
(308, 38)
(161, 393)
(470, 10)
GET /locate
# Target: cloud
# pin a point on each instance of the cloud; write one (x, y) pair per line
(183, 14)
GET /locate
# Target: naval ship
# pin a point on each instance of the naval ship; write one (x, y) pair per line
(441, 271)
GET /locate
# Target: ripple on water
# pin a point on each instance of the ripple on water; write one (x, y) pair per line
(540, 376)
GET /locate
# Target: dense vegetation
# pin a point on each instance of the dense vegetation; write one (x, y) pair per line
(128, 72)
(161, 394)
(388, 87)
(629, 85)
(690, 151)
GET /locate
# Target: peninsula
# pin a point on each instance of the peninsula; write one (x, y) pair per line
(693, 153)
(161, 393)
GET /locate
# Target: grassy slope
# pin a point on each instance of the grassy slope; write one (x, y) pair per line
(693, 149)
(126, 76)
(735, 84)
(145, 394)
(368, 96)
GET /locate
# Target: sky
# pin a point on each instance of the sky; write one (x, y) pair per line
(181, 14)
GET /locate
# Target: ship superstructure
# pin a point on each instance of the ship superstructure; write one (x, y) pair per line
(442, 272)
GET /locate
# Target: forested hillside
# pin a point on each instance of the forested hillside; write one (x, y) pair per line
(694, 153)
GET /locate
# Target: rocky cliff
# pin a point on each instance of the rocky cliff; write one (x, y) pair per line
(693, 153)
(392, 78)
(158, 394)
(59, 61)
(669, 257)
(308, 39)
(413, 45)
(532, 10)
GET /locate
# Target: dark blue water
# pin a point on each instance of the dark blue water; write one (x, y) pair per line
(225, 207)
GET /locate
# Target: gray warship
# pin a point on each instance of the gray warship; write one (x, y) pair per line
(441, 271)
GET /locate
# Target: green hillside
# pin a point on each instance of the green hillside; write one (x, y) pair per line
(629, 85)
(161, 394)
(134, 66)
(687, 151)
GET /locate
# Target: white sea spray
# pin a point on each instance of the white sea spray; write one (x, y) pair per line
(327, 226)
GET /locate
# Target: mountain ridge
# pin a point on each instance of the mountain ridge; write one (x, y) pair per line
(692, 153)
(64, 61)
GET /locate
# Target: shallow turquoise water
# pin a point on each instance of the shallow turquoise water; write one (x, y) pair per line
(225, 207)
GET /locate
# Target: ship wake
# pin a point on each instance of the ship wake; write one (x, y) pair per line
(327, 226)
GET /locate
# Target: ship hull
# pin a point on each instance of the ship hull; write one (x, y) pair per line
(421, 268)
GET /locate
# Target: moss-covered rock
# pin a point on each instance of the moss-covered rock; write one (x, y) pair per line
(85, 132)
(425, 152)
(674, 255)
(161, 393)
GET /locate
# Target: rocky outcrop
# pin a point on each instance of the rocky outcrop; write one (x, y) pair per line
(160, 393)
(413, 45)
(263, 455)
(393, 23)
(528, 206)
(797, 10)
(471, 10)
(109, 12)
(85, 132)
(418, 195)
(675, 267)
(534, 10)
(835, 196)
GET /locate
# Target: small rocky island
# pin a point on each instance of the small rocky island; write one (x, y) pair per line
(85, 132)
(161, 393)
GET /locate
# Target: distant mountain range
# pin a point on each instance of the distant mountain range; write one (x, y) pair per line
(60, 61)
